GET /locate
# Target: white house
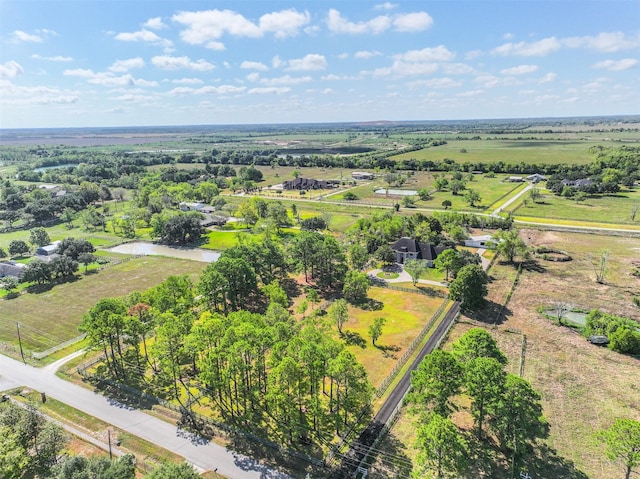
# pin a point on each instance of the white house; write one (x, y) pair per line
(362, 175)
(481, 241)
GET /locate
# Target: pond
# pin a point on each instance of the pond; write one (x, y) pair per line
(383, 191)
(143, 248)
(573, 317)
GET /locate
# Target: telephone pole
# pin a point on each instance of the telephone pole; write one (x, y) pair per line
(20, 342)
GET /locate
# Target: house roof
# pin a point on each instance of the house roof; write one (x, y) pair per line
(11, 269)
(425, 250)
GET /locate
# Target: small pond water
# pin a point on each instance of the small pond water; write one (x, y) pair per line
(141, 247)
(383, 191)
(579, 319)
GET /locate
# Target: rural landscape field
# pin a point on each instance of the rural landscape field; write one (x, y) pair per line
(197, 240)
(319, 240)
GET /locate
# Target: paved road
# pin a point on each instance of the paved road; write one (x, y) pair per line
(511, 200)
(202, 454)
(360, 447)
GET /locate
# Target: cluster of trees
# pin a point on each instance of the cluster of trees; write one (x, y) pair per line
(32, 446)
(71, 251)
(623, 333)
(256, 368)
(502, 402)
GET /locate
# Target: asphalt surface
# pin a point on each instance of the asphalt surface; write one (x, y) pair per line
(358, 450)
(203, 454)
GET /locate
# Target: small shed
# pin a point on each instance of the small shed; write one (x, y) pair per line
(48, 250)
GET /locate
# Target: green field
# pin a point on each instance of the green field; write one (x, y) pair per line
(616, 209)
(405, 314)
(52, 316)
(507, 151)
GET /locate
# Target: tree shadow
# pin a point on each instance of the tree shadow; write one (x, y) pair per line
(388, 351)
(547, 463)
(533, 266)
(352, 338)
(291, 287)
(394, 462)
(491, 313)
(370, 304)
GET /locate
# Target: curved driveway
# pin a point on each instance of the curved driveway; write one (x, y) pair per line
(202, 454)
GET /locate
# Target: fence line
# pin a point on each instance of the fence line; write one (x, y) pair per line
(54, 349)
(410, 350)
(434, 293)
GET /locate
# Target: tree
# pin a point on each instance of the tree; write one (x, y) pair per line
(358, 256)
(339, 313)
(3, 253)
(446, 204)
(14, 459)
(170, 470)
(457, 186)
(385, 255)
(415, 267)
(535, 194)
(276, 294)
(315, 223)
(182, 228)
(68, 215)
(86, 259)
(447, 261)
(73, 247)
(622, 441)
(39, 236)
(18, 248)
(484, 381)
(518, 418)
(63, 266)
(9, 284)
(313, 296)
(470, 286)
(356, 285)
(560, 310)
(37, 271)
(408, 202)
(375, 329)
(424, 194)
(442, 448)
(438, 378)
(510, 244)
(599, 264)
(441, 183)
(477, 343)
(472, 197)
(99, 467)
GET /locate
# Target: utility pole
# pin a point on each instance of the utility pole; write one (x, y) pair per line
(109, 436)
(20, 342)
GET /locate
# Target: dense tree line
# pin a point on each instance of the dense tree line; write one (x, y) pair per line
(504, 403)
(623, 333)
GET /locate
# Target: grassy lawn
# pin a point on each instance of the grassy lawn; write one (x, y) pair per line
(508, 151)
(583, 387)
(405, 314)
(606, 209)
(53, 315)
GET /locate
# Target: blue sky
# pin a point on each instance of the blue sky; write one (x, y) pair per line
(126, 63)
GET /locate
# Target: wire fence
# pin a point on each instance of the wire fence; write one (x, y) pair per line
(58, 347)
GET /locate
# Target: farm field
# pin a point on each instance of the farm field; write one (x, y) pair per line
(616, 208)
(538, 152)
(405, 314)
(52, 316)
(583, 387)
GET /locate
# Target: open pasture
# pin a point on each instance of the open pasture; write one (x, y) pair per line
(617, 208)
(52, 315)
(405, 315)
(514, 152)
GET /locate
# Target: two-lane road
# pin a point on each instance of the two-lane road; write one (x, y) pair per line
(203, 455)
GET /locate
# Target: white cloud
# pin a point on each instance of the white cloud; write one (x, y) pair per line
(269, 90)
(436, 54)
(283, 80)
(519, 70)
(617, 66)
(109, 79)
(385, 6)
(57, 58)
(277, 62)
(470, 93)
(187, 81)
(154, 23)
(247, 65)
(11, 69)
(365, 54)
(286, 23)
(338, 24)
(208, 26)
(327, 91)
(401, 68)
(166, 62)
(535, 49)
(18, 36)
(36, 95)
(143, 35)
(310, 62)
(508, 36)
(436, 83)
(412, 22)
(607, 42)
(121, 66)
(548, 78)
(207, 90)
(457, 69)
(490, 81)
